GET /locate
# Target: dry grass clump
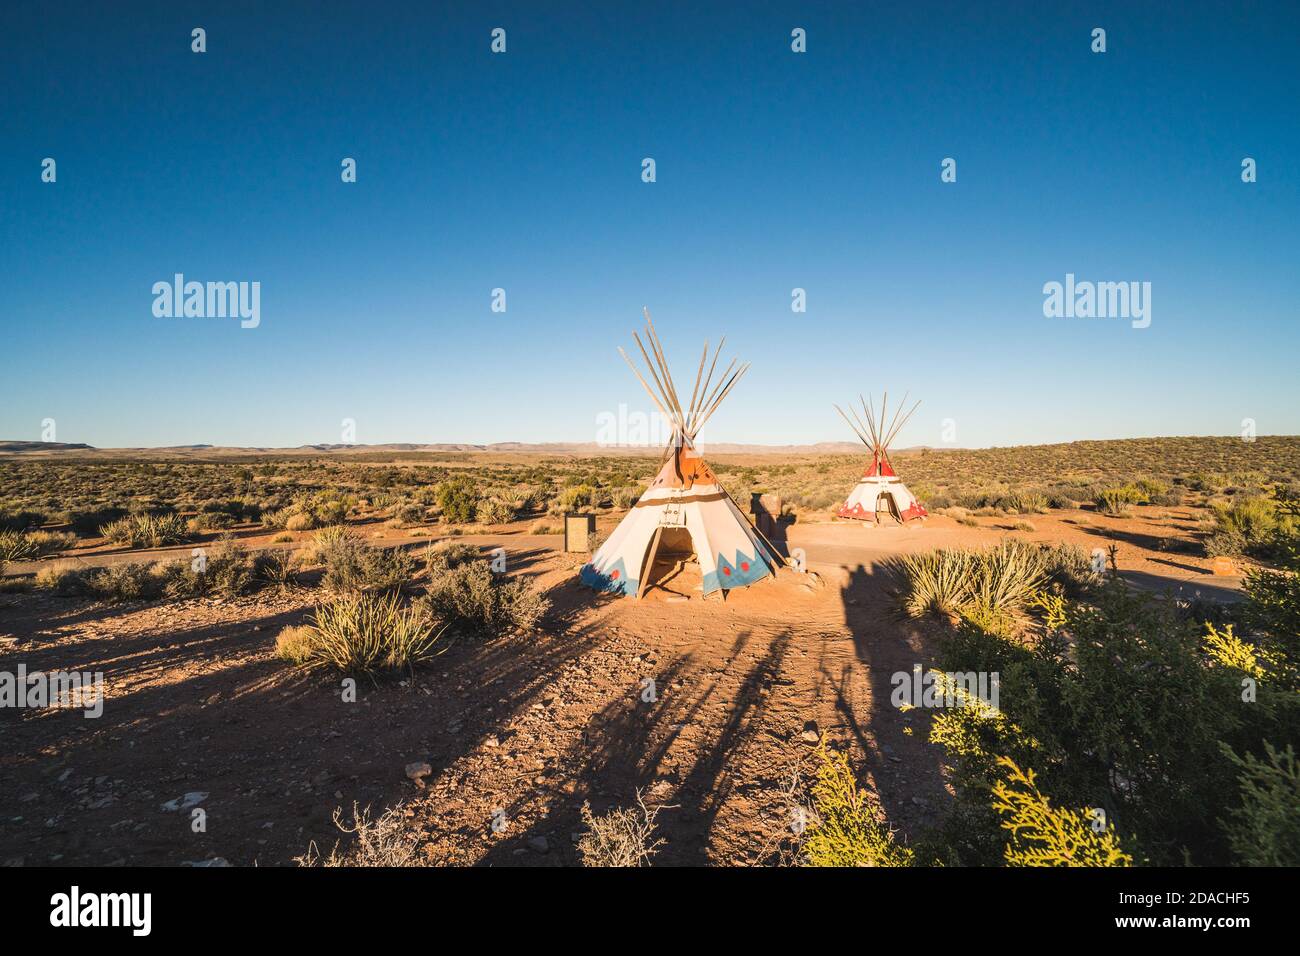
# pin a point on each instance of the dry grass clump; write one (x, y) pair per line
(382, 841)
(364, 634)
(293, 644)
(622, 837)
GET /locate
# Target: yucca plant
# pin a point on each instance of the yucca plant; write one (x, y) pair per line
(937, 581)
(148, 530)
(16, 546)
(1005, 577)
(367, 633)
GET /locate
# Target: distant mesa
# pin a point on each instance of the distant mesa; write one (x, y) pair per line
(26, 447)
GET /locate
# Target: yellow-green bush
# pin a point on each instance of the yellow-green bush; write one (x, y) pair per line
(846, 831)
(1043, 835)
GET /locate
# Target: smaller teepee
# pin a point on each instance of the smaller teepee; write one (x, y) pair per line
(685, 511)
(880, 489)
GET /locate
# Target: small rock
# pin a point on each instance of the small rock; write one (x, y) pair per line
(191, 799)
(539, 845)
(417, 771)
(811, 734)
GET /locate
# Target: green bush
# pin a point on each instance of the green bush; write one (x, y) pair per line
(458, 500)
(1264, 830)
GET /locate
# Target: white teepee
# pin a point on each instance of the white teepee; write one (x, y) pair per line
(684, 510)
(880, 489)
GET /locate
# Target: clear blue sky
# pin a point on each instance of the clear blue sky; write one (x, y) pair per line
(522, 171)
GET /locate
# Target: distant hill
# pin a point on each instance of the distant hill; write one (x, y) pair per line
(36, 449)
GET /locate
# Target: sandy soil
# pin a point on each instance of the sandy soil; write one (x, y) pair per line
(522, 729)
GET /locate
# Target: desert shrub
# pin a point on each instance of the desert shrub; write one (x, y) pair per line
(20, 519)
(622, 837)
(210, 521)
(1119, 707)
(226, 569)
(1225, 648)
(62, 577)
(364, 633)
(449, 554)
(846, 830)
(1071, 567)
(1264, 830)
(353, 565)
(51, 542)
(278, 568)
(495, 511)
(383, 841)
(458, 500)
(1023, 502)
(1224, 542)
(1272, 607)
(1252, 525)
(293, 644)
(467, 590)
(1043, 835)
(625, 497)
(1118, 499)
(300, 521)
(541, 527)
(407, 513)
(116, 583)
(145, 529)
(575, 498)
(1060, 499)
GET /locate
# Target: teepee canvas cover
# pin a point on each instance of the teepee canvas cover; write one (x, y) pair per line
(880, 489)
(684, 510)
